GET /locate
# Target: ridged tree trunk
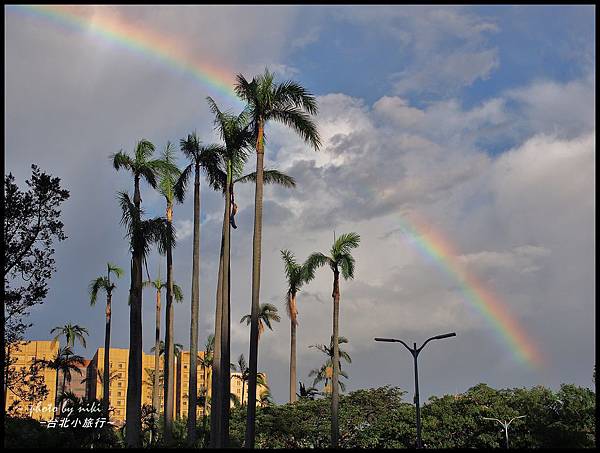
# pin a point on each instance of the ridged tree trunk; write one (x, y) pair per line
(293, 324)
(215, 407)
(169, 346)
(256, 256)
(225, 320)
(336, 361)
(133, 427)
(195, 304)
(156, 383)
(106, 373)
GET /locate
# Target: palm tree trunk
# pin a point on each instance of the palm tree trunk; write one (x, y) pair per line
(336, 362)
(243, 390)
(156, 383)
(134, 371)
(225, 320)
(256, 256)
(215, 407)
(195, 306)
(293, 353)
(169, 346)
(106, 373)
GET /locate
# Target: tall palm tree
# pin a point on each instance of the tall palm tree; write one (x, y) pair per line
(168, 176)
(339, 260)
(266, 315)
(104, 283)
(202, 158)
(297, 275)
(159, 285)
(64, 362)
(234, 132)
(290, 104)
(142, 233)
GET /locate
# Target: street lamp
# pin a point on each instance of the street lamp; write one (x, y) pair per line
(415, 353)
(505, 424)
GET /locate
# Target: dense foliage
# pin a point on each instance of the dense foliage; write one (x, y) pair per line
(380, 418)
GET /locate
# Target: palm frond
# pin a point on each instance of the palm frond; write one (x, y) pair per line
(291, 93)
(95, 286)
(181, 184)
(115, 270)
(177, 293)
(299, 121)
(121, 160)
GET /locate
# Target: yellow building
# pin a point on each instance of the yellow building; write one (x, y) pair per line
(22, 357)
(119, 361)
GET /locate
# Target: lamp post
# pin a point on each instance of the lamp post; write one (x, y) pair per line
(505, 424)
(415, 353)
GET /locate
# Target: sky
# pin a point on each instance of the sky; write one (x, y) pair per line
(472, 125)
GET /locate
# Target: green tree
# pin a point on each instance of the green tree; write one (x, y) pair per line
(297, 275)
(202, 158)
(233, 131)
(64, 363)
(290, 104)
(339, 260)
(242, 367)
(31, 226)
(142, 234)
(266, 315)
(104, 283)
(168, 177)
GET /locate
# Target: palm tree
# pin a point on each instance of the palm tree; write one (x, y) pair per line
(244, 375)
(104, 283)
(325, 372)
(233, 131)
(307, 392)
(177, 348)
(142, 233)
(290, 104)
(71, 332)
(329, 350)
(297, 275)
(206, 361)
(159, 285)
(203, 158)
(267, 314)
(340, 259)
(169, 174)
(64, 362)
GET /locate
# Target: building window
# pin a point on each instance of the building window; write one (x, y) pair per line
(120, 365)
(120, 402)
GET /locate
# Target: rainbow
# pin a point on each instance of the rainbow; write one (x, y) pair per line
(436, 248)
(139, 40)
